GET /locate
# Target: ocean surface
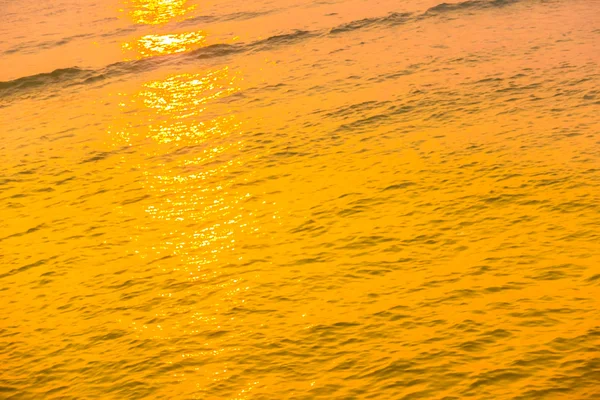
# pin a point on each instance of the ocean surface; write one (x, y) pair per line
(294, 199)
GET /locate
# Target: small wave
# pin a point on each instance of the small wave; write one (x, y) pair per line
(396, 18)
(73, 76)
(56, 76)
(278, 40)
(216, 50)
(36, 46)
(467, 5)
(354, 25)
(238, 16)
(391, 19)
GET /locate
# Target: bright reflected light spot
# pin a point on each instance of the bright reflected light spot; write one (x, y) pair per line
(154, 45)
(155, 12)
(181, 99)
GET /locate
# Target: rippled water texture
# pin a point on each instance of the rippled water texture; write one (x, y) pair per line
(300, 199)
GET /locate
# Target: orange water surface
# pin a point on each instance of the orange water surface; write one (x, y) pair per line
(344, 199)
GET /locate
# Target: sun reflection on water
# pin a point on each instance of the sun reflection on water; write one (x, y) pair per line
(197, 206)
(194, 184)
(173, 108)
(155, 12)
(155, 45)
(180, 95)
(198, 211)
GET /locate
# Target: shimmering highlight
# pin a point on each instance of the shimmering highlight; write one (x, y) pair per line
(153, 45)
(156, 12)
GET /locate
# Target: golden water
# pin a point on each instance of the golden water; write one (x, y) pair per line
(300, 200)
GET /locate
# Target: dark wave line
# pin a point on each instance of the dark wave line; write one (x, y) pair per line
(216, 50)
(279, 40)
(56, 76)
(468, 5)
(238, 16)
(45, 45)
(395, 19)
(391, 19)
